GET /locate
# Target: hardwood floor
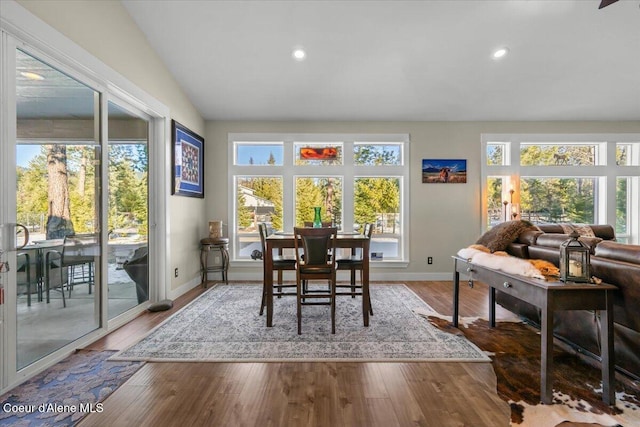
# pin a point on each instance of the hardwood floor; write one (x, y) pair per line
(311, 393)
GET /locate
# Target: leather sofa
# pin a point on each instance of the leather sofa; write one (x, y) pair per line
(613, 262)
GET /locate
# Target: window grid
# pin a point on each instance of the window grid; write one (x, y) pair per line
(609, 168)
(345, 170)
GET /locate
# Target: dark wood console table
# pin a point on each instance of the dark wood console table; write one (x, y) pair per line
(549, 297)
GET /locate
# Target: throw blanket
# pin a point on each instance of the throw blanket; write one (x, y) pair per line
(508, 264)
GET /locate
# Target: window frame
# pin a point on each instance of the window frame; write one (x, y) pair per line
(606, 172)
(348, 171)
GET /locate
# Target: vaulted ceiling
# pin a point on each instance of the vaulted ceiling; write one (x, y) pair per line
(400, 60)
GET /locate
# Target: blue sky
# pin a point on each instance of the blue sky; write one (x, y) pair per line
(24, 153)
(259, 153)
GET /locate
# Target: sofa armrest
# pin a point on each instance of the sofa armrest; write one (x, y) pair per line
(529, 237)
(519, 250)
(618, 251)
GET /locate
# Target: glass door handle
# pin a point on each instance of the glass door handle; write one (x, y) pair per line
(25, 233)
(12, 232)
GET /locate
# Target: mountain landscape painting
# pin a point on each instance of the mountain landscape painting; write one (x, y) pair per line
(444, 171)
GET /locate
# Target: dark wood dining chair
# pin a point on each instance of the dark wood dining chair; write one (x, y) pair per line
(325, 224)
(280, 263)
(355, 263)
(318, 246)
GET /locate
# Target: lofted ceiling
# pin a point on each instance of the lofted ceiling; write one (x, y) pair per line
(400, 60)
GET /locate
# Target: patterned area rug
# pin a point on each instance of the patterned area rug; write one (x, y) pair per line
(66, 392)
(577, 391)
(223, 324)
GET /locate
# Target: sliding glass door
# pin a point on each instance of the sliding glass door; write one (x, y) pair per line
(128, 209)
(58, 190)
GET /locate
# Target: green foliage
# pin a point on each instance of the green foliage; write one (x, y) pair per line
(245, 216)
(127, 188)
(376, 198)
(308, 196)
(621, 205)
(558, 199)
(376, 155)
(128, 184)
(32, 194)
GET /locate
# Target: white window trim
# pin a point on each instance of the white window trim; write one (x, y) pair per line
(605, 174)
(347, 171)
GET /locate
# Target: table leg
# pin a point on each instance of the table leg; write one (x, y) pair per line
(456, 293)
(365, 282)
(546, 352)
(607, 354)
(204, 255)
(492, 306)
(268, 282)
(225, 263)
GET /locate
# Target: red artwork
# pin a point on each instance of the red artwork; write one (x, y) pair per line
(311, 153)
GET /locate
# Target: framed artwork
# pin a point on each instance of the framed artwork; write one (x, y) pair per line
(188, 162)
(444, 171)
(318, 153)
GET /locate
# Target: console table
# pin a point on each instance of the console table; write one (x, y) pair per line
(548, 297)
(220, 244)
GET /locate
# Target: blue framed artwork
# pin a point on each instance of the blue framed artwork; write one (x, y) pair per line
(188, 162)
(444, 171)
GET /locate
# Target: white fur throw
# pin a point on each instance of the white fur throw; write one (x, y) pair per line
(508, 264)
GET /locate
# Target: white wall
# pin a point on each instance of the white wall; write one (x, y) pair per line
(443, 218)
(105, 29)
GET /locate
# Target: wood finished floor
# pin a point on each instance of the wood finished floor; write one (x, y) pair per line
(307, 394)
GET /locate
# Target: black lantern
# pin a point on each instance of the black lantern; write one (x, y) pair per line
(574, 260)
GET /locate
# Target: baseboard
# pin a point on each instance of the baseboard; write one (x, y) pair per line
(172, 294)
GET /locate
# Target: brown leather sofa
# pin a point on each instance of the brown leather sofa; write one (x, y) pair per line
(613, 262)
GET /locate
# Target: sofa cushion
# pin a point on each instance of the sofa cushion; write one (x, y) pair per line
(603, 231)
(555, 240)
(499, 237)
(619, 251)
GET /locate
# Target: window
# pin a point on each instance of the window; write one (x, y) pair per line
(567, 178)
(355, 179)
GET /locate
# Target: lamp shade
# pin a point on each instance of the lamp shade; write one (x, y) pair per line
(574, 260)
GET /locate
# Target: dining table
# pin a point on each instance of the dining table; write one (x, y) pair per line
(281, 241)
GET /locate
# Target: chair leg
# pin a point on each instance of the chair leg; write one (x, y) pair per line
(263, 303)
(299, 306)
(353, 282)
(90, 276)
(70, 279)
(333, 306)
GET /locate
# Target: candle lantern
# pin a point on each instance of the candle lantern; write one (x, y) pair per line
(574, 260)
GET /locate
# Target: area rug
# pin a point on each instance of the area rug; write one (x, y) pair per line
(66, 392)
(577, 392)
(223, 324)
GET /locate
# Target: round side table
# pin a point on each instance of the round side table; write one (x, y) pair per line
(220, 244)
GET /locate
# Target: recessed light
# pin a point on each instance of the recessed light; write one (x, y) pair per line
(31, 76)
(500, 53)
(299, 54)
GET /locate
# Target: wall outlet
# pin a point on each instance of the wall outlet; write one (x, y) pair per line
(175, 272)
(430, 260)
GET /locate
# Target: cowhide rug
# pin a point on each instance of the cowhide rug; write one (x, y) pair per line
(514, 348)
